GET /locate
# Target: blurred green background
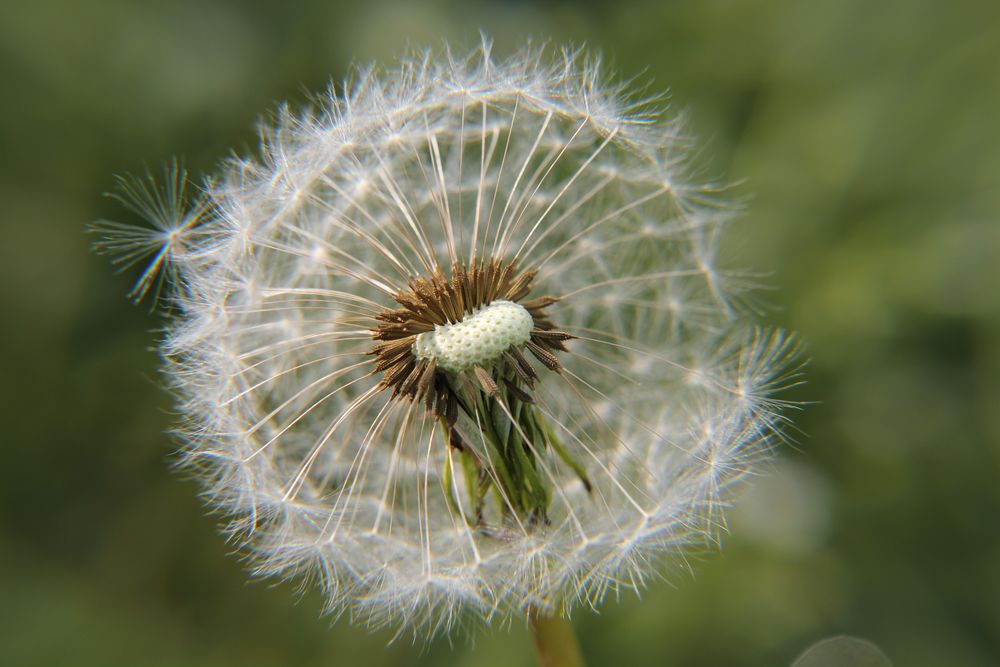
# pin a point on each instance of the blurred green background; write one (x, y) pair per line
(867, 134)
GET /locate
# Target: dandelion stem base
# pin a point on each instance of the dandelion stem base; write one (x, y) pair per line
(555, 641)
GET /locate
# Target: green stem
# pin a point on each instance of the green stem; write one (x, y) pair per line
(555, 642)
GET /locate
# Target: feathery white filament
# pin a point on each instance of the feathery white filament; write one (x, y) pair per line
(664, 395)
(479, 339)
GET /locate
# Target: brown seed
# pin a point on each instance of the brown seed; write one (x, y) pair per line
(437, 300)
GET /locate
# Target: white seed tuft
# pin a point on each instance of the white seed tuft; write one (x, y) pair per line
(664, 399)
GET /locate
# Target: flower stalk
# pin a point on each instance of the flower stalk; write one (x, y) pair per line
(555, 642)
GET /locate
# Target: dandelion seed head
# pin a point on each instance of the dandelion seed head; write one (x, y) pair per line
(456, 344)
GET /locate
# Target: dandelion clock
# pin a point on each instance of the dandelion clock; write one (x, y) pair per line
(455, 343)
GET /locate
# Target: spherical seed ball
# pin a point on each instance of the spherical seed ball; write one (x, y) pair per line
(326, 347)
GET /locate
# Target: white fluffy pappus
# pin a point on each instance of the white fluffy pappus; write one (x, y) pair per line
(419, 495)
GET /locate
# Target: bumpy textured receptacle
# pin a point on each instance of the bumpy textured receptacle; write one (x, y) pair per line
(480, 339)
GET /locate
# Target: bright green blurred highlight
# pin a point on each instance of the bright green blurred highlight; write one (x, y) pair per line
(843, 651)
